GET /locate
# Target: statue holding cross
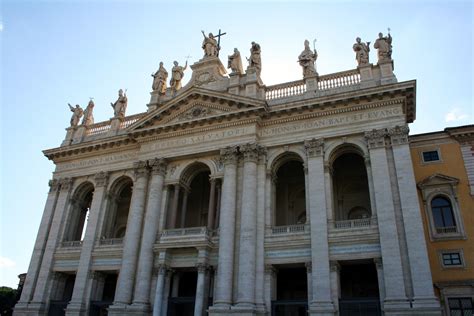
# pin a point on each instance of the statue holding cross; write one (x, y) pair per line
(210, 45)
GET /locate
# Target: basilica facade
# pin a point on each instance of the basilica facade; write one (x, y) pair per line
(230, 197)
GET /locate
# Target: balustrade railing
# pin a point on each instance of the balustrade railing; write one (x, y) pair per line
(111, 241)
(339, 79)
(285, 90)
(184, 231)
(446, 230)
(129, 120)
(99, 128)
(72, 243)
(299, 228)
(354, 223)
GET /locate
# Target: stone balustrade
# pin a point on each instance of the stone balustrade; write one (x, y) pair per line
(73, 244)
(285, 90)
(339, 79)
(184, 232)
(98, 128)
(111, 241)
(290, 229)
(355, 223)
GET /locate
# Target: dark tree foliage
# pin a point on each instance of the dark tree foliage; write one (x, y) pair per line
(7, 300)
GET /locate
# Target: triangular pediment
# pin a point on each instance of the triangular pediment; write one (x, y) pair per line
(437, 179)
(196, 104)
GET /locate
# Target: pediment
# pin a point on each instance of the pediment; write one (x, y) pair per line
(436, 180)
(197, 104)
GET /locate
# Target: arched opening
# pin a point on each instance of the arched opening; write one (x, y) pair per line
(197, 206)
(115, 224)
(290, 193)
(350, 187)
(443, 216)
(81, 203)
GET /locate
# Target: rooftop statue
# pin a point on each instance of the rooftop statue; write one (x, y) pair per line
(76, 114)
(255, 60)
(177, 74)
(384, 46)
(120, 106)
(209, 44)
(362, 52)
(306, 59)
(159, 80)
(235, 62)
(88, 118)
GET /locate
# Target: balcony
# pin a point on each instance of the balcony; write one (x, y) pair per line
(446, 230)
(110, 241)
(290, 229)
(354, 230)
(71, 244)
(355, 223)
(184, 237)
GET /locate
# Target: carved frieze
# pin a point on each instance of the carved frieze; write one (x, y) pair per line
(196, 113)
(399, 135)
(375, 138)
(314, 147)
(204, 78)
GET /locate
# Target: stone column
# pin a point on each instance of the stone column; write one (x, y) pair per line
(174, 206)
(223, 297)
(379, 267)
(218, 206)
(329, 198)
(160, 287)
(201, 296)
(306, 192)
(164, 208)
(321, 303)
(248, 230)
(40, 298)
(125, 282)
(184, 207)
(424, 297)
(150, 228)
(212, 205)
(371, 186)
(40, 245)
(270, 288)
(166, 291)
(79, 301)
(390, 247)
(335, 283)
(309, 278)
(268, 199)
(260, 260)
(175, 284)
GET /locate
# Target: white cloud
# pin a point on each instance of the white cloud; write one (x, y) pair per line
(6, 262)
(455, 115)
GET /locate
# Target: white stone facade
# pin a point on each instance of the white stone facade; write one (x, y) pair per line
(239, 131)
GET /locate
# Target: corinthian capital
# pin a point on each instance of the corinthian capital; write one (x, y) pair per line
(399, 134)
(250, 151)
(140, 169)
(53, 185)
(314, 147)
(158, 166)
(65, 183)
(229, 155)
(375, 138)
(101, 179)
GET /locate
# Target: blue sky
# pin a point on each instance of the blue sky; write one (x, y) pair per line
(59, 52)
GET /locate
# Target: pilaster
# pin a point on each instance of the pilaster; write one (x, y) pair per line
(160, 290)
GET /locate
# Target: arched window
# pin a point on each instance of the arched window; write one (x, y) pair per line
(442, 213)
(350, 187)
(290, 195)
(115, 223)
(80, 205)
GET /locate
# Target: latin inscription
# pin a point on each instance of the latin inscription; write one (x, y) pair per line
(96, 161)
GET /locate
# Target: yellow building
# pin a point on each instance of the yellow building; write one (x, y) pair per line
(444, 171)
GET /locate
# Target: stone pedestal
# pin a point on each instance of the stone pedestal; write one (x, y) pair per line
(366, 76)
(253, 84)
(386, 72)
(114, 126)
(311, 84)
(69, 136)
(79, 134)
(234, 83)
(209, 73)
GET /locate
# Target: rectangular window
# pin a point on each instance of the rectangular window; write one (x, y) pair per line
(430, 156)
(461, 306)
(452, 259)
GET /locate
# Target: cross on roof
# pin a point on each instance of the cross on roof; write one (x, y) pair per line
(219, 41)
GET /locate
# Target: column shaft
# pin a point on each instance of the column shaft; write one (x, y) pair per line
(212, 205)
(200, 291)
(145, 263)
(159, 293)
(224, 284)
(248, 229)
(174, 206)
(123, 294)
(184, 207)
(260, 264)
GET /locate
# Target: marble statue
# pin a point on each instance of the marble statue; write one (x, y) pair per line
(362, 52)
(255, 60)
(120, 106)
(209, 44)
(384, 46)
(177, 74)
(159, 79)
(306, 59)
(77, 113)
(235, 62)
(88, 118)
